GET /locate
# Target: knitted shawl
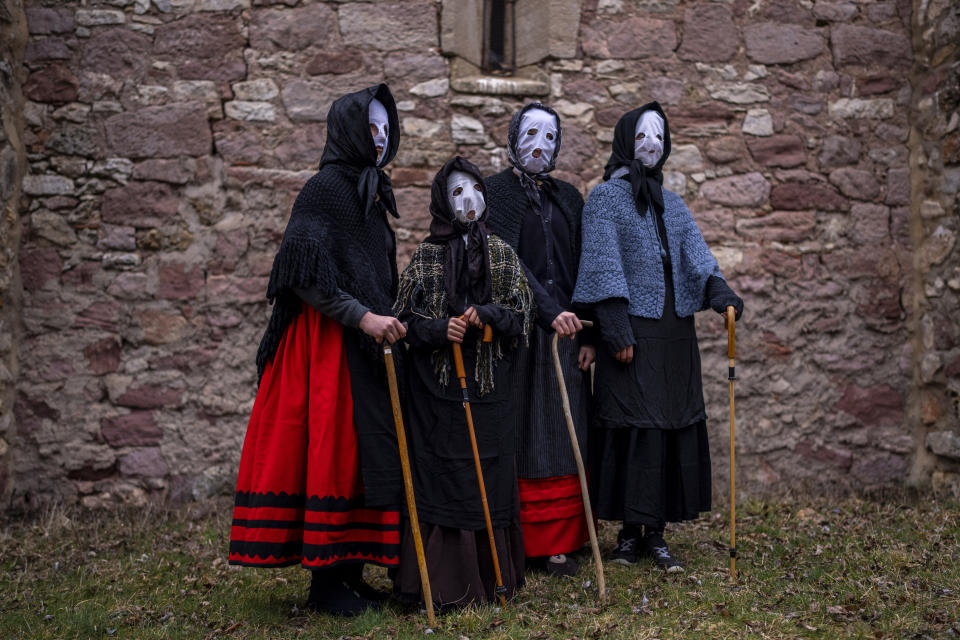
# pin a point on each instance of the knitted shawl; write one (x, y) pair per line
(422, 292)
(621, 254)
(508, 204)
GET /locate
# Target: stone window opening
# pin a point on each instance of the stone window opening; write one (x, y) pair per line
(497, 47)
(498, 39)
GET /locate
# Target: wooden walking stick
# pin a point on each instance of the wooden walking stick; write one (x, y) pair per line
(462, 375)
(731, 352)
(408, 483)
(581, 472)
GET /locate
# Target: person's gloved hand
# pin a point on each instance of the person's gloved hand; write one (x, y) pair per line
(722, 296)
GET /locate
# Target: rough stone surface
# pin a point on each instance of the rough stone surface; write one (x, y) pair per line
(814, 147)
(709, 34)
(859, 45)
(944, 443)
(772, 43)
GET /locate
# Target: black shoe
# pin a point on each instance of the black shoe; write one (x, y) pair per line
(653, 545)
(626, 551)
(558, 565)
(331, 593)
(353, 576)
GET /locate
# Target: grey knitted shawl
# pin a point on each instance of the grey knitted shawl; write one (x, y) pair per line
(620, 257)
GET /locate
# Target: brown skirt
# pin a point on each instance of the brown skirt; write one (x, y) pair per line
(460, 565)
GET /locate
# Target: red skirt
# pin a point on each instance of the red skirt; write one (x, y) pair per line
(299, 492)
(551, 512)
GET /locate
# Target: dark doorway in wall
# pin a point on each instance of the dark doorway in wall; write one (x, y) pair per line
(498, 37)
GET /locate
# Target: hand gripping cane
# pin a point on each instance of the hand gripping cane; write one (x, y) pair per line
(462, 375)
(584, 491)
(408, 483)
(731, 351)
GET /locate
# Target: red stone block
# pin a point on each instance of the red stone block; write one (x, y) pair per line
(778, 151)
(840, 458)
(856, 45)
(140, 205)
(855, 183)
(103, 356)
(337, 61)
(618, 38)
(709, 34)
(100, 315)
(54, 83)
(149, 396)
(179, 281)
(136, 429)
(293, 29)
(875, 405)
(778, 226)
(119, 52)
(203, 46)
(794, 196)
(778, 43)
(166, 131)
(38, 267)
(43, 20)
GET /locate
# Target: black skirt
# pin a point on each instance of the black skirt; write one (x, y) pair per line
(650, 476)
(649, 453)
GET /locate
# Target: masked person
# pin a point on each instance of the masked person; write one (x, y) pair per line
(539, 216)
(460, 279)
(646, 269)
(319, 481)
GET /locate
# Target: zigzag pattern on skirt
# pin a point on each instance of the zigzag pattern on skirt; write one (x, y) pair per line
(279, 529)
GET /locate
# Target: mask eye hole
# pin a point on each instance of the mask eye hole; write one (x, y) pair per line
(478, 187)
(386, 130)
(549, 136)
(532, 132)
(659, 137)
(641, 135)
(373, 129)
(458, 191)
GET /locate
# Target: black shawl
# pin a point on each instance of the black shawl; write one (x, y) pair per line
(467, 267)
(508, 205)
(646, 184)
(336, 237)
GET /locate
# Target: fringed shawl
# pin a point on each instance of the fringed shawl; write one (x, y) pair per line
(422, 293)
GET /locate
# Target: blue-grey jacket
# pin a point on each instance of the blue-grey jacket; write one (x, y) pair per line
(620, 255)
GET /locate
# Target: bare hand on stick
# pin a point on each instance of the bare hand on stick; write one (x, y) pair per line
(472, 317)
(382, 327)
(456, 329)
(566, 324)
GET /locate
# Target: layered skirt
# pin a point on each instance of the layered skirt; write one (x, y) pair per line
(300, 496)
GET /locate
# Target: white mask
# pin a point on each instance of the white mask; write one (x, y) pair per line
(465, 197)
(537, 140)
(379, 126)
(648, 143)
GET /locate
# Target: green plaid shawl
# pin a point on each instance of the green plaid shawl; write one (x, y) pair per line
(422, 293)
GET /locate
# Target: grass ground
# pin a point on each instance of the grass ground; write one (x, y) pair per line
(858, 568)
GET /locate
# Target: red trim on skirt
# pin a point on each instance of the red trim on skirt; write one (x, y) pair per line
(551, 512)
(299, 491)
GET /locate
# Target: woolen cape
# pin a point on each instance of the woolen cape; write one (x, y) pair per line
(338, 238)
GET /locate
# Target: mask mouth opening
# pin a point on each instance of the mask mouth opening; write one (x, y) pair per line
(379, 149)
(471, 214)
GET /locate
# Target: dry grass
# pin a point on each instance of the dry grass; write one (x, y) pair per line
(883, 567)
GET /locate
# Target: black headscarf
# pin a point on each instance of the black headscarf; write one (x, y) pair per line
(467, 268)
(349, 142)
(527, 179)
(646, 184)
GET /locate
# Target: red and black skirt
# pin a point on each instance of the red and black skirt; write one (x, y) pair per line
(299, 492)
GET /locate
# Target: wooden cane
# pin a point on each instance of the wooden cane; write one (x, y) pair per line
(408, 483)
(731, 352)
(462, 375)
(581, 471)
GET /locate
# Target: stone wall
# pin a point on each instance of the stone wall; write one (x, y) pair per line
(167, 139)
(13, 165)
(935, 184)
